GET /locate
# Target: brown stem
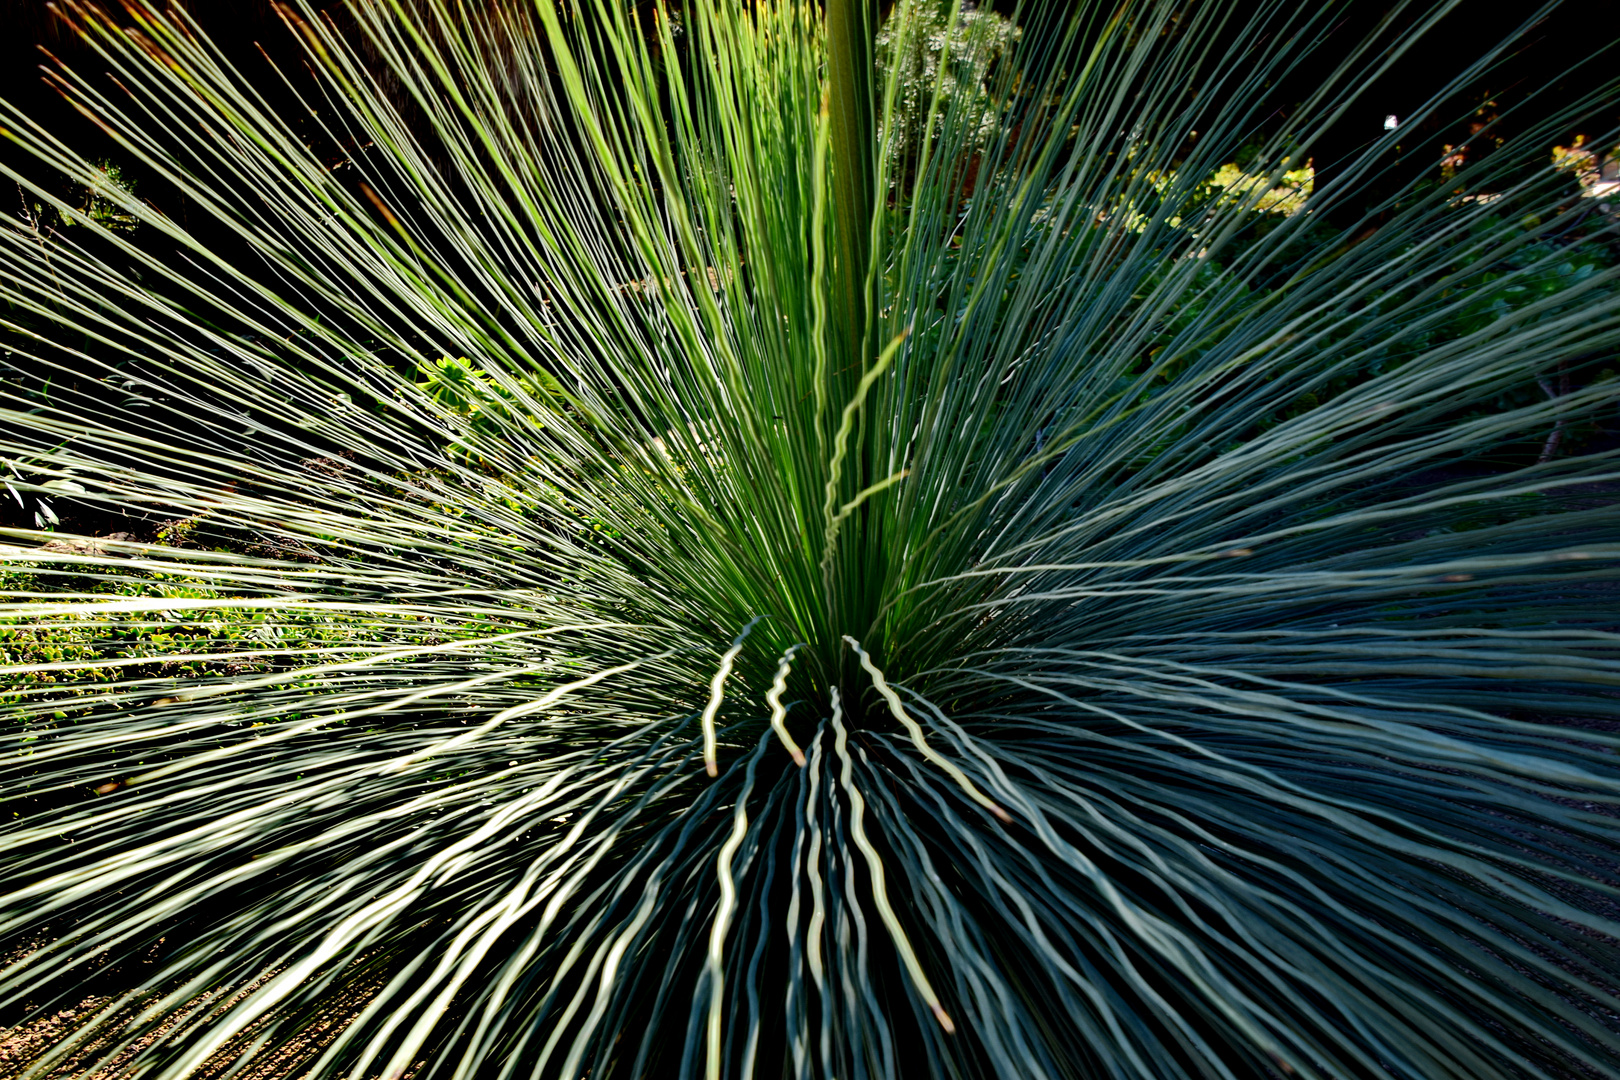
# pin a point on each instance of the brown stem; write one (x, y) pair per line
(1550, 447)
(849, 72)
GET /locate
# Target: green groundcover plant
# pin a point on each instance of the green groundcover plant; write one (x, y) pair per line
(819, 573)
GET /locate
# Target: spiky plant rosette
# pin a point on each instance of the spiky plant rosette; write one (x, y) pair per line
(976, 608)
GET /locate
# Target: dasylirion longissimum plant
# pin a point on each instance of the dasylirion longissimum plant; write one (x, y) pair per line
(735, 540)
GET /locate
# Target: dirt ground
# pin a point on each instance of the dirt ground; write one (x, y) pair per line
(24, 1044)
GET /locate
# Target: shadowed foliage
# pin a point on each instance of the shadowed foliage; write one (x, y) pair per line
(704, 553)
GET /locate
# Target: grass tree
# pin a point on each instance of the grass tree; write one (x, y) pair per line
(1006, 608)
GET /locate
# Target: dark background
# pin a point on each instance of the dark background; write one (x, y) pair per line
(1548, 69)
(1561, 58)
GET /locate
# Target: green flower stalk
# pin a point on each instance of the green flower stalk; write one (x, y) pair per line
(804, 570)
